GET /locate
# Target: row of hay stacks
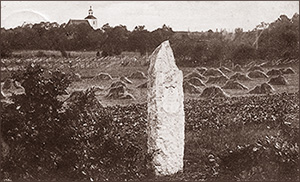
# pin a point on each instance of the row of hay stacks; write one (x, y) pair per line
(213, 72)
(216, 91)
(106, 76)
(281, 71)
(118, 89)
(280, 62)
(194, 81)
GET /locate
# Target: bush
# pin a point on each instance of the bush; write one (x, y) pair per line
(5, 52)
(74, 140)
(272, 159)
(32, 126)
(41, 54)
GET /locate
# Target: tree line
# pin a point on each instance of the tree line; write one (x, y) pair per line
(275, 40)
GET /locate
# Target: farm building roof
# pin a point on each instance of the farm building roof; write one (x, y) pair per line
(77, 22)
(90, 17)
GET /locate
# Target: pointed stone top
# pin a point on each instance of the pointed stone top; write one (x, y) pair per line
(162, 59)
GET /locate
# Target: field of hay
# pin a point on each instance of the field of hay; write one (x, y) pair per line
(238, 138)
(116, 71)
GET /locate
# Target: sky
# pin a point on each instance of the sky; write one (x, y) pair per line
(179, 15)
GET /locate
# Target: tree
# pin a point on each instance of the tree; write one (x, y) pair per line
(139, 40)
(115, 40)
(242, 53)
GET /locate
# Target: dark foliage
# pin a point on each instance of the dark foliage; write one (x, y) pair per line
(278, 40)
(73, 140)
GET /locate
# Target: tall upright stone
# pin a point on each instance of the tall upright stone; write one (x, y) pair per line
(165, 112)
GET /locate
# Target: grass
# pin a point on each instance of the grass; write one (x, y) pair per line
(33, 53)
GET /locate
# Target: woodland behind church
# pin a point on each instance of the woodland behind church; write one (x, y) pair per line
(267, 41)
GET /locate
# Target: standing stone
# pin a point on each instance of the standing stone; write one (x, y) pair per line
(165, 112)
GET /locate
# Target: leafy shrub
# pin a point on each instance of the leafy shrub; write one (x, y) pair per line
(272, 159)
(5, 51)
(31, 125)
(41, 54)
(74, 140)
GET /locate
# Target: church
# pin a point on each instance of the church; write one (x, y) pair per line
(90, 20)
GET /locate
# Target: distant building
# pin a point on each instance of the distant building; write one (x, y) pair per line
(90, 20)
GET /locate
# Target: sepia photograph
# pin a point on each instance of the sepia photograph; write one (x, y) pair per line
(149, 91)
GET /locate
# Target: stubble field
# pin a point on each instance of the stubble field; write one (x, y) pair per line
(241, 137)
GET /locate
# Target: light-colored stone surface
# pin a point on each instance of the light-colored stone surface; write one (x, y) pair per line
(165, 112)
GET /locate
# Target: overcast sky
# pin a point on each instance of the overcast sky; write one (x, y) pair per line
(180, 15)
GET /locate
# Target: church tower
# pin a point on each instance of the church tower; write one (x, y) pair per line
(91, 19)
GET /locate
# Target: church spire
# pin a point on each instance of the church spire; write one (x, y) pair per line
(90, 11)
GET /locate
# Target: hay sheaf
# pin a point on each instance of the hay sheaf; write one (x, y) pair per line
(127, 96)
(279, 80)
(102, 76)
(143, 85)
(2, 95)
(196, 81)
(9, 84)
(240, 77)
(125, 79)
(118, 83)
(264, 88)
(12, 86)
(97, 89)
(119, 92)
(75, 77)
(256, 68)
(237, 68)
(213, 91)
(194, 74)
(190, 88)
(225, 69)
(287, 71)
(257, 74)
(217, 79)
(213, 72)
(274, 72)
(138, 75)
(201, 70)
(231, 84)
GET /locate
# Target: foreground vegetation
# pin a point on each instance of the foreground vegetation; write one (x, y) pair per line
(237, 138)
